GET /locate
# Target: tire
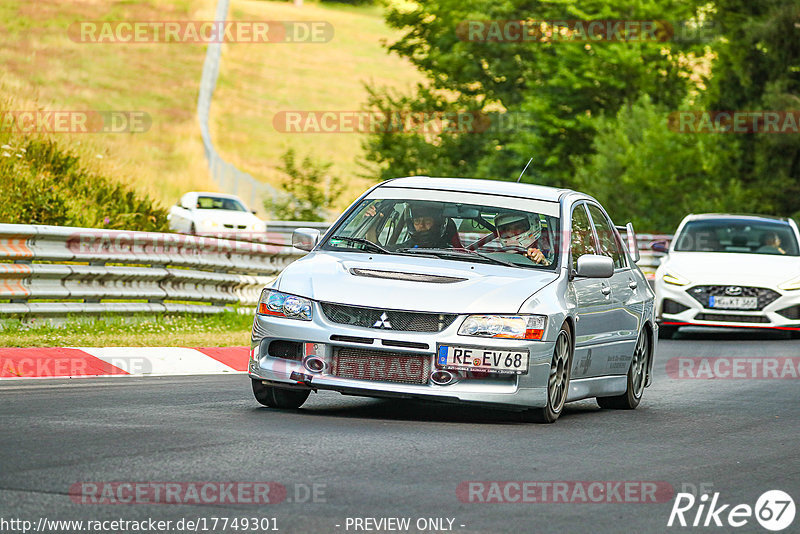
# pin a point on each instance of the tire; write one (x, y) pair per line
(666, 331)
(637, 378)
(275, 397)
(558, 384)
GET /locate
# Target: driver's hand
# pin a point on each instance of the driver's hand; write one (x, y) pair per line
(371, 211)
(535, 255)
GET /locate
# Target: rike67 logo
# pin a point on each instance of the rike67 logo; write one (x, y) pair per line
(774, 510)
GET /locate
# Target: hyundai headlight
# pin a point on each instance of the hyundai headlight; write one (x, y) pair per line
(675, 279)
(279, 304)
(790, 285)
(504, 326)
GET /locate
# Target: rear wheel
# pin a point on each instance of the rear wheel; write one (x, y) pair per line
(637, 377)
(276, 397)
(558, 383)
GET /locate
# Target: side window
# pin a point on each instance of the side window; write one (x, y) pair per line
(609, 245)
(582, 240)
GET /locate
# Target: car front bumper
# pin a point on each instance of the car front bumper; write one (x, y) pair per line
(511, 391)
(696, 314)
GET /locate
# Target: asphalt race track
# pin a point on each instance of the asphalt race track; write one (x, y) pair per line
(379, 459)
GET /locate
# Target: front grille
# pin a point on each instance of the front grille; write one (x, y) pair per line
(400, 321)
(382, 366)
(731, 318)
(764, 295)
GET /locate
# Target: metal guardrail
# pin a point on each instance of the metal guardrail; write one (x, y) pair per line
(54, 270)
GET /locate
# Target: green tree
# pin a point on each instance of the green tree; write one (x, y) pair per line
(643, 171)
(308, 192)
(758, 68)
(555, 89)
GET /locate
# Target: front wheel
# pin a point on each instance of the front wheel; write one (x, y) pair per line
(558, 383)
(276, 397)
(637, 377)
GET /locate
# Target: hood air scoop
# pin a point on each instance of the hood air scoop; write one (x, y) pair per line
(412, 277)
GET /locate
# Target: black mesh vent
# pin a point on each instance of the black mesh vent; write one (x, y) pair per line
(672, 307)
(381, 366)
(792, 312)
(400, 321)
(731, 318)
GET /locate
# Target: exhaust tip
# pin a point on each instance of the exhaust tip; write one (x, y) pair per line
(314, 364)
(442, 377)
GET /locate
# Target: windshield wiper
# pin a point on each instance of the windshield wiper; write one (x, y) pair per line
(374, 246)
(459, 253)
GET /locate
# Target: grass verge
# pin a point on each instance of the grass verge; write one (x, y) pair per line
(179, 330)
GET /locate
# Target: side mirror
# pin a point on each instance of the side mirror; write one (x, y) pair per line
(659, 246)
(185, 205)
(305, 238)
(595, 266)
(253, 212)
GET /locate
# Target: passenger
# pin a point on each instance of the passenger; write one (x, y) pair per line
(770, 244)
(523, 232)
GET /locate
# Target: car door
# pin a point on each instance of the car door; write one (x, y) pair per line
(593, 302)
(626, 308)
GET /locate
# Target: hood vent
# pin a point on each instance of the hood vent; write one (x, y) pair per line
(411, 277)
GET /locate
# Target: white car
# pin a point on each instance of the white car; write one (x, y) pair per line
(217, 214)
(731, 271)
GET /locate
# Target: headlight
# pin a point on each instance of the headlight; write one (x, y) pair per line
(674, 279)
(279, 304)
(790, 285)
(504, 326)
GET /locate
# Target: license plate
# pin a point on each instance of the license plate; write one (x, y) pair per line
(733, 303)
(483, 359)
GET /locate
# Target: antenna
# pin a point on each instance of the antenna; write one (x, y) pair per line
(523, 170)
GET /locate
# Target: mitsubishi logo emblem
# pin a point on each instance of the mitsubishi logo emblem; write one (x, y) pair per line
(383, 322)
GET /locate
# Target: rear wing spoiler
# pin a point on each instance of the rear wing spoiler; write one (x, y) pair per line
(629, 238)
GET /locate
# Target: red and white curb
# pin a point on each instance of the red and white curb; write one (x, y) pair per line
(80, 362)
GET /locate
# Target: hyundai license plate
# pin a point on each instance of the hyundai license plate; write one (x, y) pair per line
(733, 303)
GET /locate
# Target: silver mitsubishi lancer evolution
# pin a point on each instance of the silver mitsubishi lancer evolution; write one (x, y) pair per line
(503, 294)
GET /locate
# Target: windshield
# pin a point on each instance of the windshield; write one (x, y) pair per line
(452, 230)
(739, 236)
(219, 203)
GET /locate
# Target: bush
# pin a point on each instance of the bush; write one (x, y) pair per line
(43, 183)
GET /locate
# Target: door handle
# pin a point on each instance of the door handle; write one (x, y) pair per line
(632, 284)
(606, 290)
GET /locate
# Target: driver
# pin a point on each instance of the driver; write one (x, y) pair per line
(427, 227)
(523, 231)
